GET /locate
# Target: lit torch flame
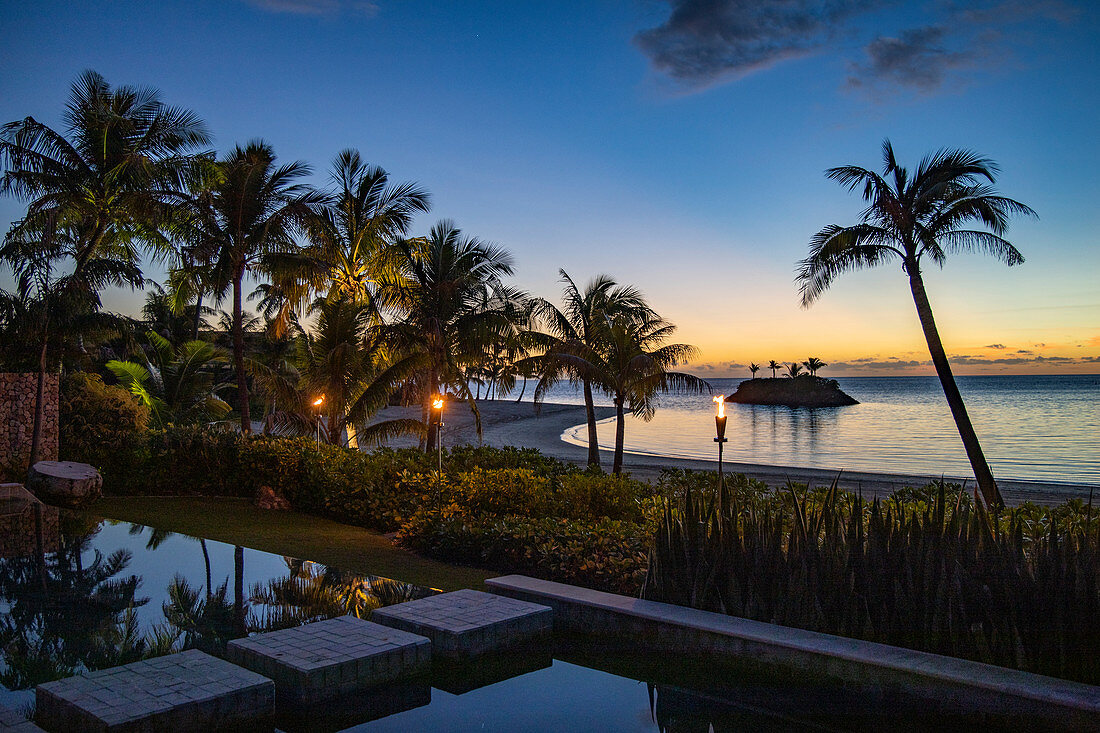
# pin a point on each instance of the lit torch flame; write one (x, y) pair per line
(721, 405)
(317, 402)
(438, 404)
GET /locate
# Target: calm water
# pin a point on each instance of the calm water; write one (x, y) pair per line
(101, 599)
(111, 588)
(1044, 428)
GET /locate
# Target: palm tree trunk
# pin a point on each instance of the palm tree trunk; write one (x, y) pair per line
(353, 440)
(239, 616)
(206, 559)
(198, 317)
(986, 484)
(620, 434)
(590, 417)
(433, 429)
(238, 353)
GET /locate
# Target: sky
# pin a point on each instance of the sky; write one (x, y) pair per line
(678, 146)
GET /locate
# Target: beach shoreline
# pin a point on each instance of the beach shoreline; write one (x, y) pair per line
(510, 423)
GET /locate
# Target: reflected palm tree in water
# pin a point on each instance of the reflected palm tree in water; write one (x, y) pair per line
(313, 592)
(65, 614)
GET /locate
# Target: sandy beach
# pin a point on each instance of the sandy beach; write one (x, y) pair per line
(505, 422)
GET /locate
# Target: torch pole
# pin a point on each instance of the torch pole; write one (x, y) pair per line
(720, 438)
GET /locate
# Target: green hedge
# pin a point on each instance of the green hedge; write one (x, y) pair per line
(102, 426)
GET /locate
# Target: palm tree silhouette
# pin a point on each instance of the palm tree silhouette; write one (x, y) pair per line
(242, 220)
(794, 369)
(107, 184)
(448, 294)
(753, 369)
(774, 366)
(910, 218)
(631, 365)
(579, 322)
(812, 364)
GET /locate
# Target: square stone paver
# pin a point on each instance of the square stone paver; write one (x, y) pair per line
(190, 690)
(326, 659)
(468, 622)
(13, 721)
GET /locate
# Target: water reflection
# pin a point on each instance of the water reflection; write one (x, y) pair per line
(100, 599)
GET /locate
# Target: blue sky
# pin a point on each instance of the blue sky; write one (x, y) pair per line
(679, 146)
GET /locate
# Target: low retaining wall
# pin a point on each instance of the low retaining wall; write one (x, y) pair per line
(17, 398)
(951, 685)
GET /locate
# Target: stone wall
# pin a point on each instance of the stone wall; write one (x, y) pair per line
(17, 392)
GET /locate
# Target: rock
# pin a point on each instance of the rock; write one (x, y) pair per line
(65, 483)
(268, 498)
(802, 391)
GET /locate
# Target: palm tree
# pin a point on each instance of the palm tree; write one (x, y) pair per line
(812, 364)
(452, 305)
(774, 366)
(753, 369)
(794, 369)
(632, 366)
(580, 322)
(910, 218)
(177, 384)
(348, 365)
(242, 222)
(357, 229)
(108, 183)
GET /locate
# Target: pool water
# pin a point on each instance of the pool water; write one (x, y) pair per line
(110, 593)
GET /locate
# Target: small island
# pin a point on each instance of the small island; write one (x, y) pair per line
(801, 391)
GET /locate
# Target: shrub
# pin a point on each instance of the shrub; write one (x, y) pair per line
(606, 554)
(102, 426)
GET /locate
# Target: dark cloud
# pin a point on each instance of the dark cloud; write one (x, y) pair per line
(917, 58)
(704, 42)
(1013, 360)
(315, 7)
(709, 40)
(994, 346)
(892, 363)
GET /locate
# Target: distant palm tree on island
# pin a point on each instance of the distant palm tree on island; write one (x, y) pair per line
(908, 218)
(794, 369)
(813, 364)
(753, 369)
(774, 366)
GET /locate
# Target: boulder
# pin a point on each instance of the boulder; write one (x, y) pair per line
(268, 498)
(65, 483)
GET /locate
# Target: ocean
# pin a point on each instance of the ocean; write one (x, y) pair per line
(1040, 428)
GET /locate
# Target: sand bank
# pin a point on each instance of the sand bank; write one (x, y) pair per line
(505, 422)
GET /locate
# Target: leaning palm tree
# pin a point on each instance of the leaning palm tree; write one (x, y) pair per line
(753, 369)
(633, 367)
(794, 369)
(448, 294)
(910, 218)
(109, 181)
(774, 366)
(580, 322)
(242, 221)
(812, 364)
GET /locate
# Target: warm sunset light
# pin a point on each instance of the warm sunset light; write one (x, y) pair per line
(721, 401)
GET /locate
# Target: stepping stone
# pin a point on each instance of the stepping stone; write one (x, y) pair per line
(468, 622)
(327, 659)
(186, 691)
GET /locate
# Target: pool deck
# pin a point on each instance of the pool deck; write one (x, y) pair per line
(951, 685)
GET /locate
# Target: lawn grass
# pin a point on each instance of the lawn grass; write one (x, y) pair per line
(239, 522)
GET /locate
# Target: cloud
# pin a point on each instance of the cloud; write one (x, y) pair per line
(704, 41)
(316, 7)
(994, 346)
(1013, 360)
(707, 42)
(916, 58)
(891, 363)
